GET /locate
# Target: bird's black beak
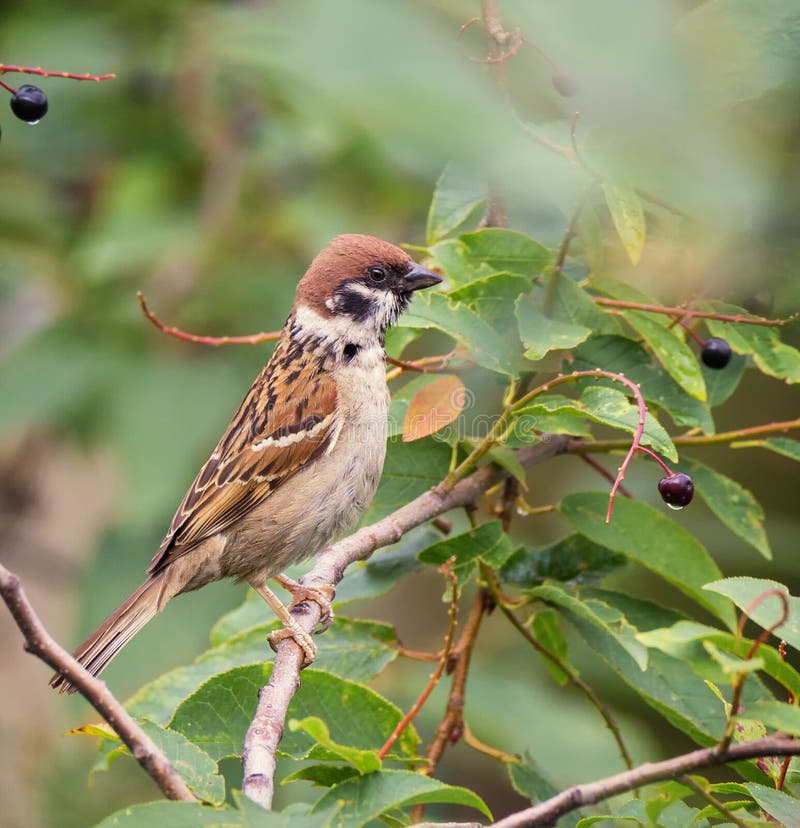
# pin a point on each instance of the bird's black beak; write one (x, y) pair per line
(419, 277)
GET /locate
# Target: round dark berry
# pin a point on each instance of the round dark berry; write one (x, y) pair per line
(29, 104)
(716, 353)
(565, 85)
(676, 490)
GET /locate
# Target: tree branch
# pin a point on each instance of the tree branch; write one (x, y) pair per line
(39, 642)
(261, 739)
(578, 796)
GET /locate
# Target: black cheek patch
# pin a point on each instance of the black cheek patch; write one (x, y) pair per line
(354, 304)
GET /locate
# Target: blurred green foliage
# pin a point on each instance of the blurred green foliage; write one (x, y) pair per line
(238, 138)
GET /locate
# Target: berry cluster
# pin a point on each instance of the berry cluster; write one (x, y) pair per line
(28, 103)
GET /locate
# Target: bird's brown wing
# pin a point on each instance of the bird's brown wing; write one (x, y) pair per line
(285, 421)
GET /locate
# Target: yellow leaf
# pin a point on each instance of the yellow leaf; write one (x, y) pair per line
(434, 407)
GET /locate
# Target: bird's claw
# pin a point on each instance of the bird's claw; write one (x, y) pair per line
(301, 638)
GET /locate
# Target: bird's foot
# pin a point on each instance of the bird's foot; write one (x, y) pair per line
(321, 595)
(301, 638)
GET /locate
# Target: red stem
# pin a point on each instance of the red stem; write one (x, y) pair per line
(215, 341)
(7, 67)
(658, 460)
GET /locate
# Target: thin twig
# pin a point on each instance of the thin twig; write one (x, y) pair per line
(561, 255)
(45, 73)
(447, 570)
(451, 728)
(579, 446)
(214, 341)
(546, 813)
(261, 740)
(471, 740)
(590, 461)
(687, 312)
(40, 643)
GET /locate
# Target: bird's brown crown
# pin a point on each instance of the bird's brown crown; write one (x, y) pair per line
(346, 258)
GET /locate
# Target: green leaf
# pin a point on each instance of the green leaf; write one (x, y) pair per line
(487, 542)
(743, 591)
(613, 408)
(731, 503)
(785, 446)
(678, 556)
(571, 303)
(572, 559)
(487, 347)
(776, 715)
(668, 685)
(322, 776)
(457, 204)
(732, 665)
(507, 250)
(364, 761)
(545, 628)
(599, 403)
(609, 620)
(197, 768)
(218, 714)
(624, 356)
(720, 385)
(773, 357)
(541, 334)
(676, 357)
(409, 470)
(779, 805)
(684, 641)
(172, 815)
(493, 297)
(529, 779)
(353, 649)
(627, 214)
(365, 798)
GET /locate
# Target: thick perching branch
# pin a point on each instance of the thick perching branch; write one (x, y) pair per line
(547, 812)
(261, 740)
(38, 642)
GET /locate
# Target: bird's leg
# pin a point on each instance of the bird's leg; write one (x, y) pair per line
(322, 595)
(291, 629)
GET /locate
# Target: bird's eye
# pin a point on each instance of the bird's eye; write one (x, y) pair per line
(377, 274)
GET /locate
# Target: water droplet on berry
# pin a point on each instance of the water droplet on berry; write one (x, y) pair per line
(675, 508)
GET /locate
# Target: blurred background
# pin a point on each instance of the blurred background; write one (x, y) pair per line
(235, 141)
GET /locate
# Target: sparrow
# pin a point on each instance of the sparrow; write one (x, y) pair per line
(300, 460)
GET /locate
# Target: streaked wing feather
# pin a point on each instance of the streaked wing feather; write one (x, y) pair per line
(259, 451)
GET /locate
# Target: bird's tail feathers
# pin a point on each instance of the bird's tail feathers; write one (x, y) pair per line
(116, 631)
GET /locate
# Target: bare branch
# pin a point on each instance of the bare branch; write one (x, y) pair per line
(261, 739)
(39, 642)
(547, 812)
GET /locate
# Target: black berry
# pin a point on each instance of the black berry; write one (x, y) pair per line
(676, 490)
(716, 353)
(565, 85)
(29, 104)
